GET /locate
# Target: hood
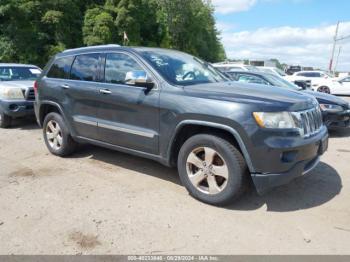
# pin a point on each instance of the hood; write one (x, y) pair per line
(265, 97)
(17, 84)
(323, 98)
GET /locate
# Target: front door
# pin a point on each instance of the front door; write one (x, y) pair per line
(128, 115)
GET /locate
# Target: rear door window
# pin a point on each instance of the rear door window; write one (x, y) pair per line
(86, 67)
(61, 68)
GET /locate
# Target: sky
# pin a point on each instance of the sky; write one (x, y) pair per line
(298, 32)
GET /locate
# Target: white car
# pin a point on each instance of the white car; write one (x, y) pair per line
(320, 81)
(16, 91)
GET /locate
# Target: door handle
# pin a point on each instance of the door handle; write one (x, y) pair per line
(65, 86)
(105, 91)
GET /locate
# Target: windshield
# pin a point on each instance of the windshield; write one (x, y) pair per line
(272, 71)
(280, 72)
(182, 69)
(19, 73)
(251, 68)
(280, 82)
(328, 74)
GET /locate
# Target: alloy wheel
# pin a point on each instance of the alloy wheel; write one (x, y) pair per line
(54, 135)
(207, 170)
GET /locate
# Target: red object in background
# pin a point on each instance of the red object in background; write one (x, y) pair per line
(35, 87)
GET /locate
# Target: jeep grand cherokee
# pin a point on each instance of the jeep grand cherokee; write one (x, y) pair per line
(174, 108)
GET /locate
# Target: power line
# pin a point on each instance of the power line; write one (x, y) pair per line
(343, 38)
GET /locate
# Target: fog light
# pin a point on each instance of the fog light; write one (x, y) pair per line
(288, 157)
(14, 107)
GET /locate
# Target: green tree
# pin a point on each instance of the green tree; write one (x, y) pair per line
(31, 31)
(98, 27)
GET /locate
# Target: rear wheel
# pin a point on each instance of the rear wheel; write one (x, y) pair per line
(5, 120)
(324, 89)
(57, 137)
(212, 169)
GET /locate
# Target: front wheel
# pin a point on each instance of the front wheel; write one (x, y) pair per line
(57, 137)
(212, 169)
(324, 89)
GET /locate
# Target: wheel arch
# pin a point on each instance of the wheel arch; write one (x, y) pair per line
(188, 128)
(47, 107)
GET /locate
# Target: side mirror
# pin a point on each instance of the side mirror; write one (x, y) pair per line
(139, 78)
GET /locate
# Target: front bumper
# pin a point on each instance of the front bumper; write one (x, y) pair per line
(17, 108)
(300, 160)
(337, 120)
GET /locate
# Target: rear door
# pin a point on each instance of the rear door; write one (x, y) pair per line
(81, 93)
(128, 116)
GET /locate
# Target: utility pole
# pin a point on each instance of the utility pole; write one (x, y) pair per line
(336, 62)
(334, 44)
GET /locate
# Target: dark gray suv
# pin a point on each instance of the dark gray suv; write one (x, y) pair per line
(176, 109)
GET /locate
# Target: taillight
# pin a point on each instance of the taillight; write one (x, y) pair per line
(36, 87)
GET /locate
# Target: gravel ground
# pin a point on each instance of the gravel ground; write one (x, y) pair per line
(104, 202)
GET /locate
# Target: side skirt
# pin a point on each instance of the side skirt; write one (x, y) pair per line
(122, 149)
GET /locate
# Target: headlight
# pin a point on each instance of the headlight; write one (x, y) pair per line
(11, 93)
(282, 120)
(331, 108)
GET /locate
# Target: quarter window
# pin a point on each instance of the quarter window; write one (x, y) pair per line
(85, 67)
(117, 67)
(61, 68)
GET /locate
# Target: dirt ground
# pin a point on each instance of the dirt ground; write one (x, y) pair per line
(104, 202)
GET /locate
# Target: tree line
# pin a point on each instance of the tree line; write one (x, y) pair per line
(34, 30)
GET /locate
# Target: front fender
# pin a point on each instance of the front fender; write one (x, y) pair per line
(229, 129)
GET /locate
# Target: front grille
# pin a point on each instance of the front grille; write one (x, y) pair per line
(311, 121)
(29, 94)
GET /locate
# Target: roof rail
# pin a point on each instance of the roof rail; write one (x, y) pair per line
(91, 47)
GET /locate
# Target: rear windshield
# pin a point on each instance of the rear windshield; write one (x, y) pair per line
(19, 73)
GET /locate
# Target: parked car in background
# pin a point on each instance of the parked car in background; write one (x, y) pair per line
(176, 109)
(305, 84)
(335, 111)
(272, 70)
(320, 81)
(290, 70)
(226, 67)
(16, 91)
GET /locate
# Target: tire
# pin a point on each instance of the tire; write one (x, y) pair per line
(57, 136)
(324, 89)
(215, 188)
(5, 120)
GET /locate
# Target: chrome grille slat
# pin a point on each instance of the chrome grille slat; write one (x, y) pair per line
(29, 94)
(311, 121)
